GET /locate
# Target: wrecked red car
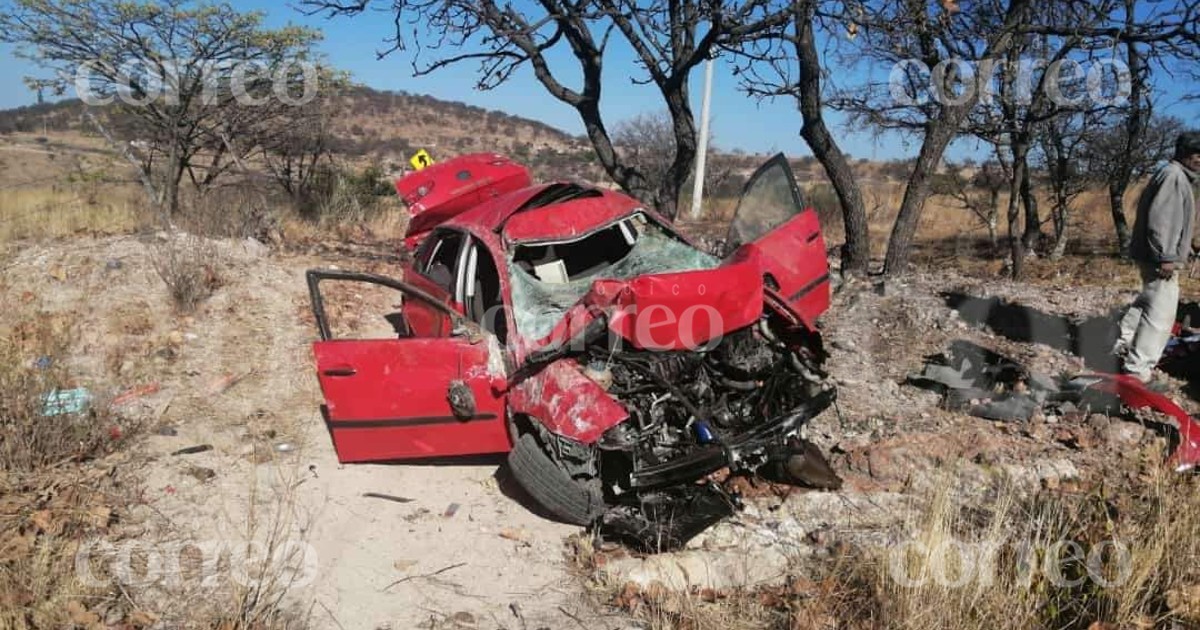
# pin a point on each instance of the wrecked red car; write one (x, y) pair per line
(618, 364)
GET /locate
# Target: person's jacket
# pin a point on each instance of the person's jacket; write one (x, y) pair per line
(1166, 216)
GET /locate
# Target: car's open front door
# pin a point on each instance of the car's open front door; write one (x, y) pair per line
(404, 393)
(773, 222)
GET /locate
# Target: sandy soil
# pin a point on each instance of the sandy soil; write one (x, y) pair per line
(236, 375)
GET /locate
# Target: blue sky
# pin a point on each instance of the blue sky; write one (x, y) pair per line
(738, 121)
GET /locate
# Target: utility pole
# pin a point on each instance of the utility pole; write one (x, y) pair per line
(702, 149)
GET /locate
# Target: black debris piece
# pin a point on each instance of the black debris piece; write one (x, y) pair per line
(987, 384)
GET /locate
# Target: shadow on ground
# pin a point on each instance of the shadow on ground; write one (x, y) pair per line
(1091, 339)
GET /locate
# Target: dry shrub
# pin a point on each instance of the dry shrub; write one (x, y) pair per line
(31, 360)
(190, 267)
(59, 483)
(271, 566)
(243, 209)
(344, 196)
(1046, 561)
(1005, 560)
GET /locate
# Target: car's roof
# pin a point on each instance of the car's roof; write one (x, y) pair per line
(546, 212)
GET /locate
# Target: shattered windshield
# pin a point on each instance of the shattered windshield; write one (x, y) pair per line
(549, 278)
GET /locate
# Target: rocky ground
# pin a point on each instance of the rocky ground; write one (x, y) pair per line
(896, 447)
(450, 548)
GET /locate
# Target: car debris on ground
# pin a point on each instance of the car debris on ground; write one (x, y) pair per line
(986, 384)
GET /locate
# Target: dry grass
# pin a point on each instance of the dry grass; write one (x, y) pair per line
(240, 210)
(265, 563)
(57, 212)
(32, 353)
(1054, 561)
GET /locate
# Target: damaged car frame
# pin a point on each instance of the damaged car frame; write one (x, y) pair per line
(617, 364)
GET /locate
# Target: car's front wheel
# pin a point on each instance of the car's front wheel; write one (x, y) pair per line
(550, 486)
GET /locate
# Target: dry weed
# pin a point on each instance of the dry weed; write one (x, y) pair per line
(1047, 561)
(32, 379)
(1007, 560)
(241, 210)
(269, 559)
(190, 267)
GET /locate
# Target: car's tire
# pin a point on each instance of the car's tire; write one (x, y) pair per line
(550, 486)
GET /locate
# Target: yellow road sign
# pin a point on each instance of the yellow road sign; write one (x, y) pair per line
(420, 159)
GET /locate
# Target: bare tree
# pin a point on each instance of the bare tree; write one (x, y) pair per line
(1061, 146)
(964, 192)
(1110, 160)
(1144, 34)
(928, 43)
(298, 148)
(648, 143)
(992, 178)
(168, 70)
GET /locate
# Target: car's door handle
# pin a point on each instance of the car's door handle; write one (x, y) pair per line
(340, 370)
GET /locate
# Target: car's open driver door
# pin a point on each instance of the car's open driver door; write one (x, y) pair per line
(408, 397)
(773, 223)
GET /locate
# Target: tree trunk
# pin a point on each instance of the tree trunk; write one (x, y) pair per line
(1016, 244)
(629, 179)
(1061, 228)
(1116, 204)
(666, 200)
(916, 191)
(1033, 222)
(857, 253)
(993, 221)
(173, 172)
(1015, 239)
(1135, 125)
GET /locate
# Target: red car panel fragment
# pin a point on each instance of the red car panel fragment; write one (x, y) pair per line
(572, 218)
(668, 311)
(792, 256)
(567, 403)
(1136, 395)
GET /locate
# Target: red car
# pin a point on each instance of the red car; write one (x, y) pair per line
(619, 366)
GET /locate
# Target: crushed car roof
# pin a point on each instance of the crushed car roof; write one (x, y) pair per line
(537, 213)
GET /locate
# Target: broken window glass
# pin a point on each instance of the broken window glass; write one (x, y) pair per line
(770, 199)
(549, 278)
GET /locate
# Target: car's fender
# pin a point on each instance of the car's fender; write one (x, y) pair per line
(566, 402)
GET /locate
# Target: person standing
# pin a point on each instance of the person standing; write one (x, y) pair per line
(1161, 244)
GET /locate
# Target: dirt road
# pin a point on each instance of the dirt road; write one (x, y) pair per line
(236, 375)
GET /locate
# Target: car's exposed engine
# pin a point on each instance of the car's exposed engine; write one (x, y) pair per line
(689, 409)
